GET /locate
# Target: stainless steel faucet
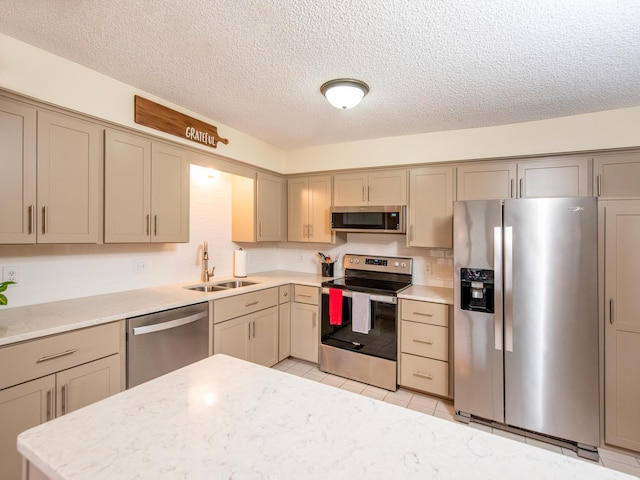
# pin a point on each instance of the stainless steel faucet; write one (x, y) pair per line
(206, 274)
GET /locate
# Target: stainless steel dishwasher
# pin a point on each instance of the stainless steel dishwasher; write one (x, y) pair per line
(161, 342)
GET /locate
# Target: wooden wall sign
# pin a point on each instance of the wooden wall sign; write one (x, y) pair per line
(154, 115)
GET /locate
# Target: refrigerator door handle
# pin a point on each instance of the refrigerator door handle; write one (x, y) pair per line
(508, 289)
(497, 269)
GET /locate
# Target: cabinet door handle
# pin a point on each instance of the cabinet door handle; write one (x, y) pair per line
(368, 193)
(599, 177)
(155, 225)
(611, 311)
(56, 355)
(50, 398)
(44, 220)
(254, 329)
(511, 188)
(304, 295)
(423, 314)
(30, 219)
(521, 188)
(423, 375)
(310, 231)
(249, 334)
(313, 319)
(251, 304)
(148, 224)
(420, 340)
(260, 229)
(65, 399)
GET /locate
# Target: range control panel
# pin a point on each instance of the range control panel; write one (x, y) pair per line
(402, 265)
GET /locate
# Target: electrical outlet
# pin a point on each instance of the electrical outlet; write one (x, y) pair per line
(301, 258)
(139, 266)
(427, 268)
(10, 274)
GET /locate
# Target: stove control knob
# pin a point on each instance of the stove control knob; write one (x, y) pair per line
(357, 260)
(404, 265)
(351, 260)
(396, 264)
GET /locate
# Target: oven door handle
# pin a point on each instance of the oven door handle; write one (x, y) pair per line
(374, 298)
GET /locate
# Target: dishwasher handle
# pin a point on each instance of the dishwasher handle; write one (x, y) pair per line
(178, 322)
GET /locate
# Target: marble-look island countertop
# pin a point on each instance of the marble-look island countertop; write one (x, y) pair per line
(224, 418)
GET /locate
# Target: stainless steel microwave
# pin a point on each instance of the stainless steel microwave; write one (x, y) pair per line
(389, 219)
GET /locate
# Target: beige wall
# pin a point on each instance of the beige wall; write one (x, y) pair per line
(41, 75)
(34, 72)
(593, 131)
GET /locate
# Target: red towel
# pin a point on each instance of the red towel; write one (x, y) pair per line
(335, 306)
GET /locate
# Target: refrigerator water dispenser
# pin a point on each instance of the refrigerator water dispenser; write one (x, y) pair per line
(476, 290)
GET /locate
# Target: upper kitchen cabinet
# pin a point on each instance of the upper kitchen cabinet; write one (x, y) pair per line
(18, 179)
(309, 202)
(431, 194)
(621, 323)
(486, 181)
(146, 191)
(375, 188)
(258, 208)
(69, 190)
(552, 177)
(617, 175)
(52, 196)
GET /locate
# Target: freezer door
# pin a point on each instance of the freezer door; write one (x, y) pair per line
(478, 374)
(551, 330)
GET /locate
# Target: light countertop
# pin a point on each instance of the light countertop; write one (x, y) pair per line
(227, 418)
(34, 321)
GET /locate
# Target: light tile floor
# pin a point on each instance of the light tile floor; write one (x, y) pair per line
(444, 409)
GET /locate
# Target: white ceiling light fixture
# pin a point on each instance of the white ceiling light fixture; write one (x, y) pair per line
(344, 93)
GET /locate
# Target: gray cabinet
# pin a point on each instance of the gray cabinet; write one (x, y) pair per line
(617, 175)
(146, 191)
(309, 204)
(258, 208)
(622, 323)
(305, 329)
(431, 194)
(53, 376)
(376, 187)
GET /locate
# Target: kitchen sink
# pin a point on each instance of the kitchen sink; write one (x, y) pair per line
(235, 284)
(206, 288)
(220, 286)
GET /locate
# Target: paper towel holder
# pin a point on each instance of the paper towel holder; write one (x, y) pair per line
(240, 263)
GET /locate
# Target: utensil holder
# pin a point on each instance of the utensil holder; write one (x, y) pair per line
(327, 269)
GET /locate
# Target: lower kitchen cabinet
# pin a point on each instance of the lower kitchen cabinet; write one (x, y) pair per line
(284, 322)
(305, 330)
(424, 347)
(252, 337)
(37, 401)
(622, 323)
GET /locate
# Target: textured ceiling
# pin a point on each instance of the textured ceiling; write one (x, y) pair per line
(432, 65)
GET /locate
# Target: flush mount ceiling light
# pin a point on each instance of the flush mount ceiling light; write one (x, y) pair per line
(344, 93)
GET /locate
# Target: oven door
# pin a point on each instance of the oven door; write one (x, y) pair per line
(381, 341)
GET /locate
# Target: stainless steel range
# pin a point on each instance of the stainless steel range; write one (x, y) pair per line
(359, 336)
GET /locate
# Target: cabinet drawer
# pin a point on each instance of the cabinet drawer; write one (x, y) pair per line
(37, 358)
(425, 312)
(425, 340)
(284, 292)
(424, 374)
(245, 303)
(305, 294)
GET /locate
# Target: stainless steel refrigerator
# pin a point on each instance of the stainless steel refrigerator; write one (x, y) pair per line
(525, 317)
